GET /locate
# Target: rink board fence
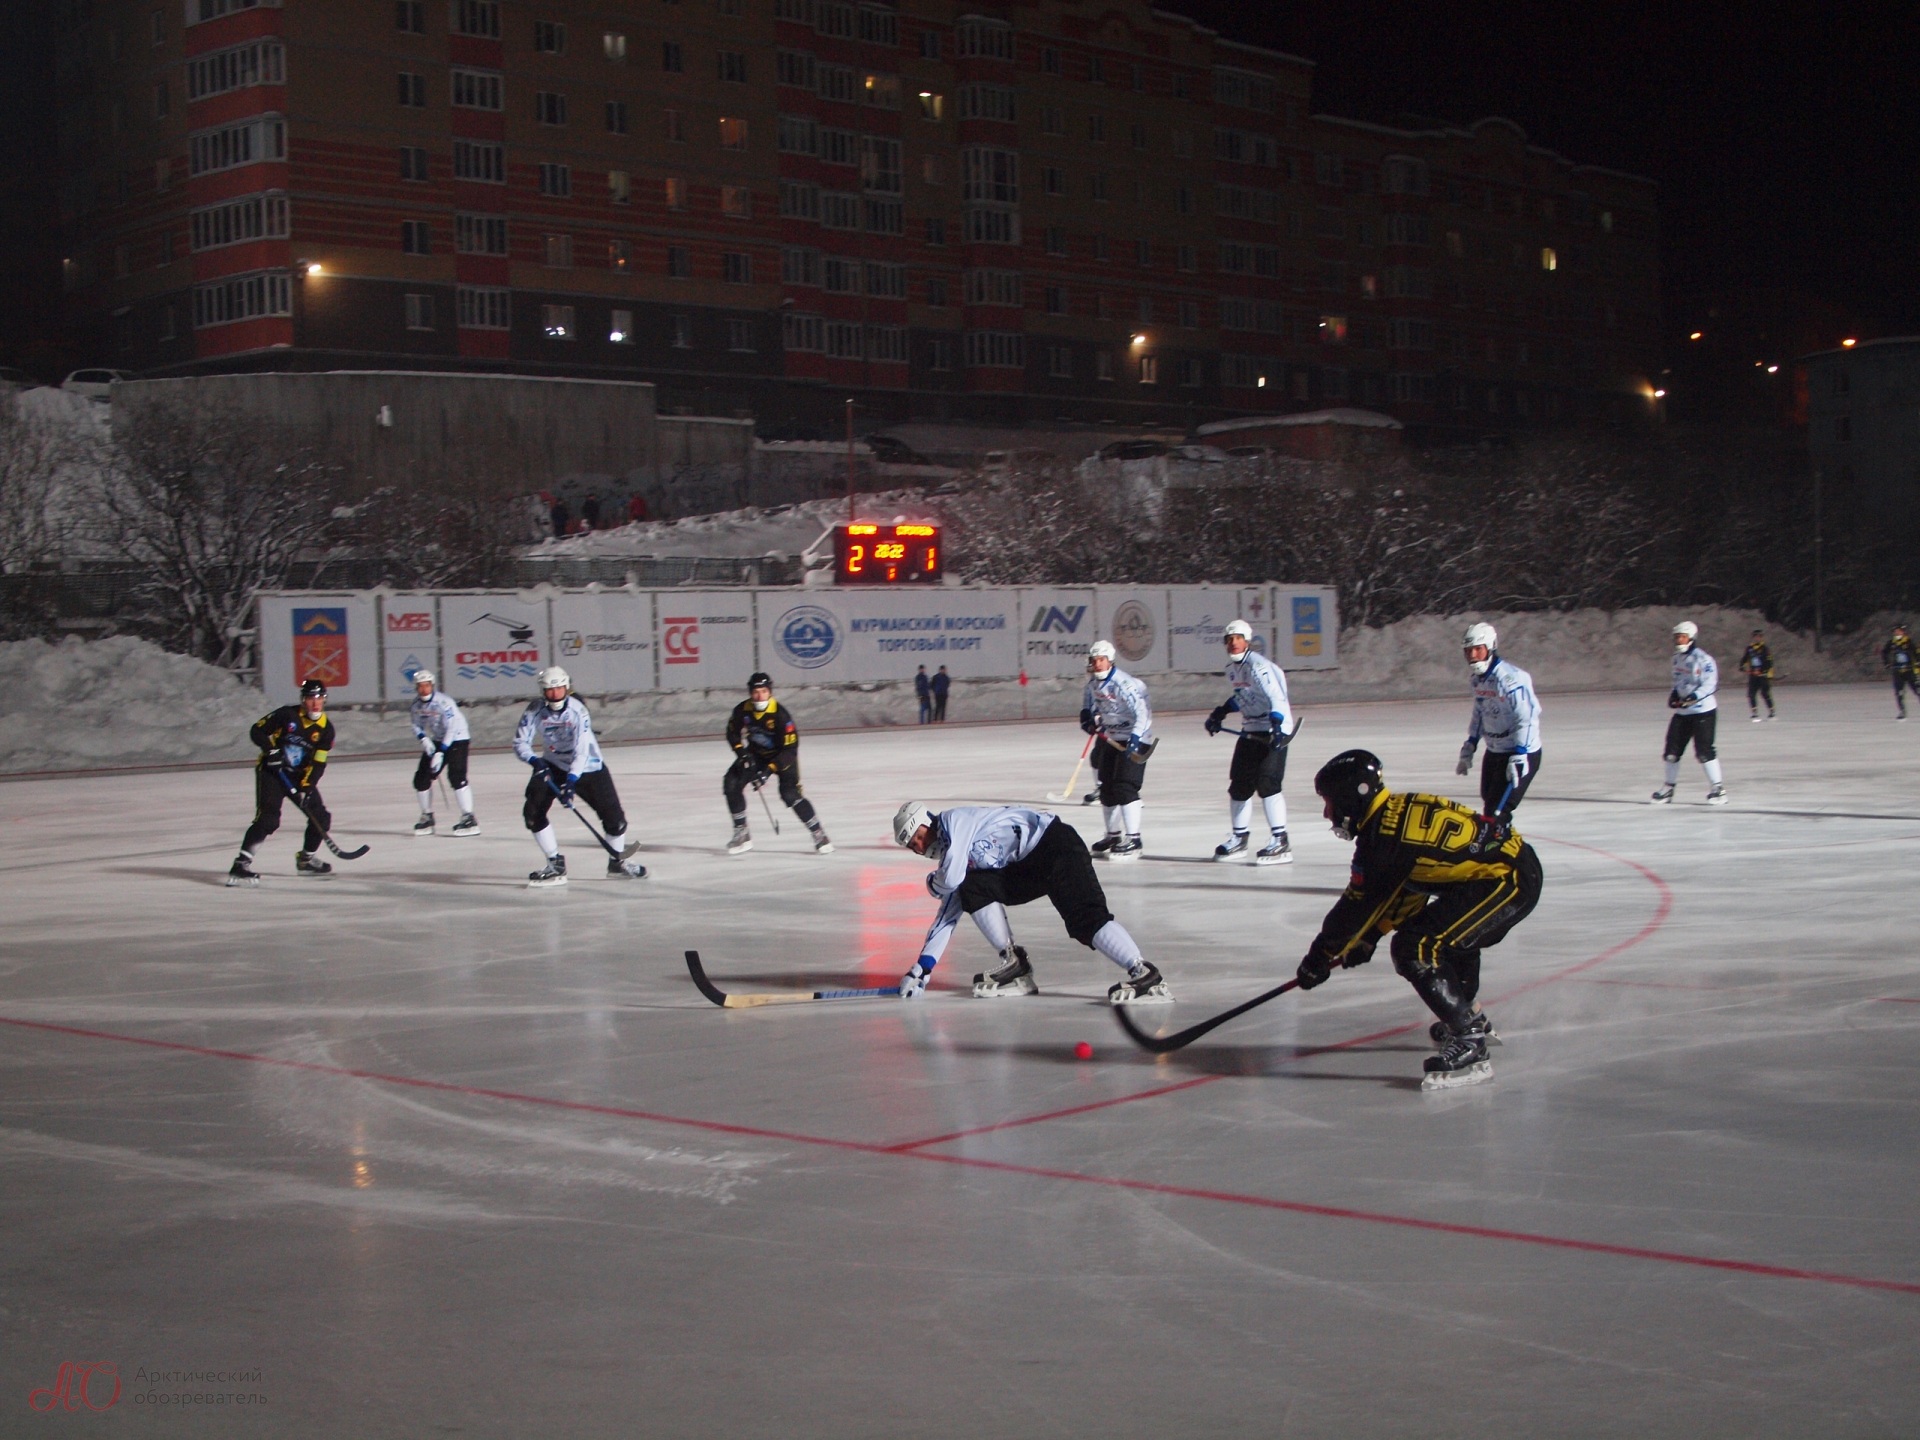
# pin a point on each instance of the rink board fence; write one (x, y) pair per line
(367, 644)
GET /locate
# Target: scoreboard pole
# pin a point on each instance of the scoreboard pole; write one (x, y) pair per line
(850, 516)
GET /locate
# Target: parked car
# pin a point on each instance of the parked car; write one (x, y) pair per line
(96, 384)
(890, 451)
(1134, 450)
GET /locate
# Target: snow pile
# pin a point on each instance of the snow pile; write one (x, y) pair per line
(732, 534)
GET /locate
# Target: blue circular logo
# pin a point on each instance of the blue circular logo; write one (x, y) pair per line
(808, 636)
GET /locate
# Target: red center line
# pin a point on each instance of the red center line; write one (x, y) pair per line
(1149, 1187)
(1900, 1000)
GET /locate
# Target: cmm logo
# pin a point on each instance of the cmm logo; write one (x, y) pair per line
(808, 636)
(1133, 631)
(320, 645)
(520, 660)
(1065, 619)
(75, 1388)
(680, 639)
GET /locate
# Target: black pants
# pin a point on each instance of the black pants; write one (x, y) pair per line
(786, 770)
(1697, 728)
(455, 769)
(1438, 950)
(595, 787)
(939, 705)
(1904, 678)
(1257, 768)
(1497, 795)
(1060, 869)
(1760, 687)
(1120, 775)
(269, 794)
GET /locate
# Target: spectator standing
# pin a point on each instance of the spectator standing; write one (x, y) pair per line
(559, 515)
(923, 688)
(939, 685)
(636, 508)
(590, 512)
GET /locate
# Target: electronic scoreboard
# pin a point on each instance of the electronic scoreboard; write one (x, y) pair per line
(886, 554)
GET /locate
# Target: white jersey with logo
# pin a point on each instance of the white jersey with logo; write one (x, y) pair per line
(1506, 712)
(564, 736)
(1259, 692)
(1695, 678)
(438, 719)
(1119, 705)
(982, 837)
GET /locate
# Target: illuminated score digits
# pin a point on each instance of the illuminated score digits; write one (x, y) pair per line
(886, 554)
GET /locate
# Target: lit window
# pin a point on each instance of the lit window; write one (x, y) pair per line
(614, 45)
(733, 133)
(620, 328)
(1549, 258)
(556, 321)
(619, 187)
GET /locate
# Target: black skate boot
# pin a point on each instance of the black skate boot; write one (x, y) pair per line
(424, 825)
(1106, 843)
(1662, 796)
(1461, 1061)
(1127, 849)
(1278, 853)
(242, 872)
(1014, 977)
(821, 844)
(741, 841)
(1236, 846)
(306, 864)
(1478, 1028)
(554, 874)
(1717, 795)
(467, 825)
(627, 869)
(1144, 986)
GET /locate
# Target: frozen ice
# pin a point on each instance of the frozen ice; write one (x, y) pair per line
(434, 1153)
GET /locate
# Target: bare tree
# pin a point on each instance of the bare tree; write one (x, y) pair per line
(460, 525)
(212, 507)
(34, 523)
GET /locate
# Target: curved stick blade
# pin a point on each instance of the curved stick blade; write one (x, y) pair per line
(706, 986)
(1163, 1044)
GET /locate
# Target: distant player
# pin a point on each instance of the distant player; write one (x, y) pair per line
(1114, 708)
(1903, 664)
(1259, 763)
(1756, 663)
(990, 857)
(766, 744)
(1446, 882)
(444, 741)
(1506, 714)
(555, 737)
(294, 742)
(1695, 679)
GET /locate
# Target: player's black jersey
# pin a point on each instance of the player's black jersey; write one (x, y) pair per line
(304, 739)
(765, 735)
(1408, 849)
(1758, 660)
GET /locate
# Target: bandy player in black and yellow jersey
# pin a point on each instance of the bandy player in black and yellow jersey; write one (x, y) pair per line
(293, 742)
(1447, 882)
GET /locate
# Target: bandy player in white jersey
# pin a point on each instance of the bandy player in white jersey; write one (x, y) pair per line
(1506, 714)
(1695, 679)
(1259, 762)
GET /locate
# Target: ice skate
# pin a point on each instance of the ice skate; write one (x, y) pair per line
(1145, 986)
(424, 825)
(1235, 846)
(1278, 853)
(1105, 843)
(1461, 1061)
(1479, 1028)
(467, 825)
(1093, 795)
(1127, 849)
(554, 874)
(821, 844)
(741, 841)
(1662, 796)
(306, 864)
(1756, 717)
(242, 872)
(1015, 977)
(627, 869)
(1717, 795)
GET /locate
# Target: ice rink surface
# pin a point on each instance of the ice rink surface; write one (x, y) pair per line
(425, 1152)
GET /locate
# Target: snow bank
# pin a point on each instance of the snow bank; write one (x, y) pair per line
(127, 702)
(731, 534)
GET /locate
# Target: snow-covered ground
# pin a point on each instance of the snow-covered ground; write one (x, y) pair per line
(737, 534)
(420, 1151)
(124, 702)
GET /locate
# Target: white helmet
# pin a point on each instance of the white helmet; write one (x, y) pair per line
(1237, 627)
(554, 678)
(1101, 650)
(1688, 629)
(1480, 633)
(907, 821)
(423, 677)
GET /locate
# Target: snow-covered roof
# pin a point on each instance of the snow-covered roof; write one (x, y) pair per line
(1339, 415)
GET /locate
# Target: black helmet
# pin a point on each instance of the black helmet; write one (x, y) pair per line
(759, 678)
(1349, 783)
(311, 688)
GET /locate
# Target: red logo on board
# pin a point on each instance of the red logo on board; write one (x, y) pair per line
(680, 639)
(76, 1387)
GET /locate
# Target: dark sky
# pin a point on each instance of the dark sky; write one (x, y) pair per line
(1784, 135)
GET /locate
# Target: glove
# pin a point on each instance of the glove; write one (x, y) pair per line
(1465, 763)
(1088, 724)
(437, 762)
(1674, 702)
(1277, 736)
(567, 785)
(538, 762)
(915, 980)
(275, 758)
(1216, 722)
(1518, 764)
(757, 773)
(1314, 968)
(426, 745)
(1137, 747)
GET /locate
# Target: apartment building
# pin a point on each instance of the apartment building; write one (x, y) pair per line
(992, 209)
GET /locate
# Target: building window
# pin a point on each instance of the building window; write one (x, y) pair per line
(410, 16)
(933, 107)
(844, 341)
(838, 211)
(550, 107)
(1052, 122)
(614, 46)
(803, 332)
(1190, 314)
(1146, 310)
(478, 160)
(733, 133)
(981, 38)
(680, 328)
(263, 62)
(679, 262)
(619, 254)
(933, 169)
(799, 200)
(1187, 258)
(619, 187)
(937, 292)
(480, 234)
(1054, 297)
(235, 222)
(168, 321)
(840, 276)
(1060, 362)
(159, 39)
(740, 337)
(1149, 369)
(482, 308)
(1549, 258)
(1096, 70)
(413, 89)
(674, 192)
(1053, 180)
(556, 322)
(736, 268)
(880, 165)
(1097, 128)
(1103, 365)
(993, 287)
(939, 353)
(231, 146)
(163, 176)
(419, 312)
(617, 116)
(1189, 372)
(675, 126)
(799, 266)
(559, 252)
(478, 89)
(888, 343)
(413, 163)
(929, 44)
(995, 350)
(620, 327)
(477, 17)
(1056, 240)
(796, 135)
(987, 102)
(1050, 61)
(671, 59)
(936, 230)
(162, 100)
(888, 282)
(556, 180)
(549, 38)
(416, 237)
(244, 297)
(732, 67)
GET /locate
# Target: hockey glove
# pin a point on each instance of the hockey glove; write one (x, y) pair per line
(1674, 702)
(275, 758)
(1465, 763)
(1088, 723)
(1216, 722)
(426, 745)
(1519, 764)
(1139, 749)
(1314, 968)
(915, 980)
(438, 762)
(566, 788)
(1277, 736)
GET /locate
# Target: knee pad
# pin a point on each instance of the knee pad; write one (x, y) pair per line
(1670, 759)
(1238, 793)
(1406, 955)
